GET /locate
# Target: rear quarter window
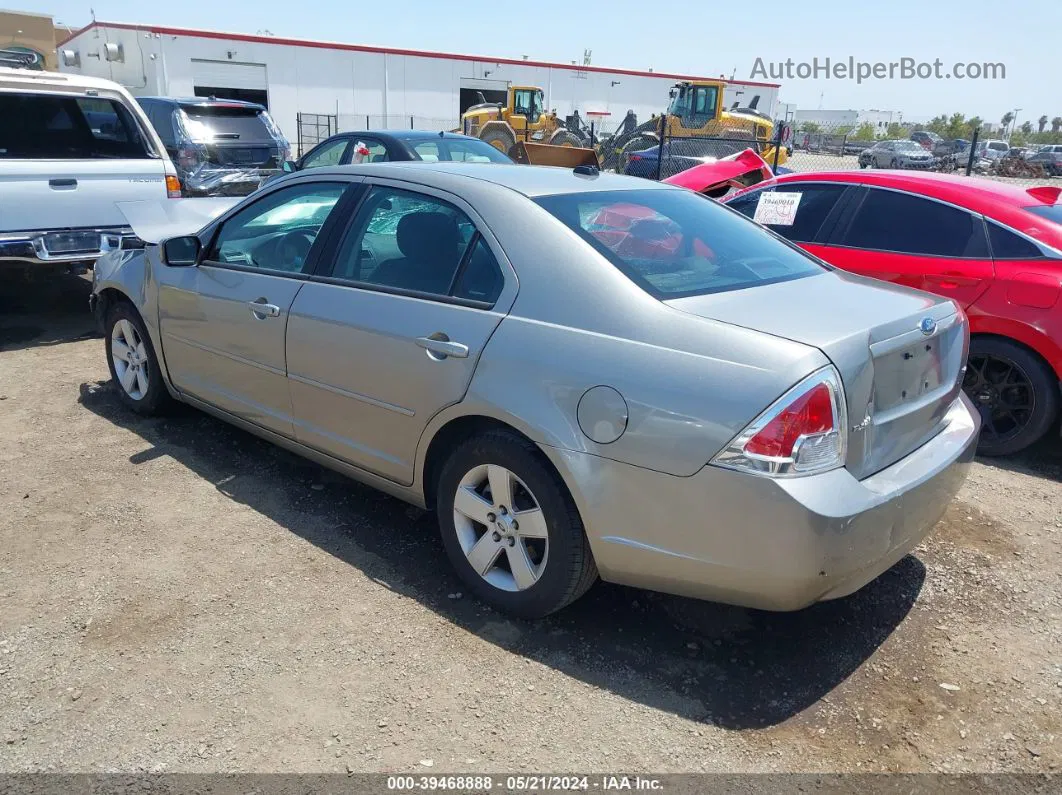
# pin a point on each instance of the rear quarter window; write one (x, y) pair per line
(675, 243)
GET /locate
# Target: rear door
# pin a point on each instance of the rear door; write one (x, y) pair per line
(223, 322)
(65, 160)
(914, 241)
(391, 333)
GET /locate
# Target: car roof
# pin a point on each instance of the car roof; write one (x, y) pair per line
(206, 101)
(22, 79)
(1000, 201)
(531, 181)
(404, 135)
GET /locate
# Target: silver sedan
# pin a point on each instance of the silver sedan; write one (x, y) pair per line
(583, 374)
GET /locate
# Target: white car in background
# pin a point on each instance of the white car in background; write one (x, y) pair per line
(992, 149)
(70, 148)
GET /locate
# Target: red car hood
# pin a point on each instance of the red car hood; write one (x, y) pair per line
(717, 177)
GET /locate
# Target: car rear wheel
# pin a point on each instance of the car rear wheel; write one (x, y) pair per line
(132, 361)
(894, 163)
(510, 528)
(1015, 393)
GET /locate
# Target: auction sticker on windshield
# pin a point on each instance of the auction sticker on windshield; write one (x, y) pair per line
(777, 209)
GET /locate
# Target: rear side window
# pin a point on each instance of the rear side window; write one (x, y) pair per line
(1007, 245)
(905, 224)
(674, 243)
(220, 123)
(1052, 212)
(68, 128)
(816, 202)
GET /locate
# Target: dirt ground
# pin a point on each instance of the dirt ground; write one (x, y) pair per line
(180, 596)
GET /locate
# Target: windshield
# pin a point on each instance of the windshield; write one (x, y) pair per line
(50, 127)
(906, 146)
(209, 123)
(465, 150)
(1052, 212)
(675, 243)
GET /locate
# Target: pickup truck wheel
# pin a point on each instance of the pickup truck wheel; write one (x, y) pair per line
(1015, 393)
(132, 361)
(510, 528)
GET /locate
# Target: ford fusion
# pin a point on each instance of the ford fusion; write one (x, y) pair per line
(583, 374)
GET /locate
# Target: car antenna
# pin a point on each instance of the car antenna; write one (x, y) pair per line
(587, 170)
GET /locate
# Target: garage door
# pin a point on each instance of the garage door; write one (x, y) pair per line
(228, 80)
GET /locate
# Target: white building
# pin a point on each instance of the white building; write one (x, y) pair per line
(829, 120)
(362, 86)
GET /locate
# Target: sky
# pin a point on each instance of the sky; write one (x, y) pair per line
(702, 38)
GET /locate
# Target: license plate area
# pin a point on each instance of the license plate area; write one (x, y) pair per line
(71, 242)
(905, 375)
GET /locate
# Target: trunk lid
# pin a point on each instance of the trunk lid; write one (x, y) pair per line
(68, 194)
(900, 352)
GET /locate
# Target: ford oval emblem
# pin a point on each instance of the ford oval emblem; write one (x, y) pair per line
(927, 326)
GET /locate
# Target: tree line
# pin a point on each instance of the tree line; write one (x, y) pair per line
(1042, 131)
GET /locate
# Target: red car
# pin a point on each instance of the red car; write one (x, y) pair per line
(995, 248)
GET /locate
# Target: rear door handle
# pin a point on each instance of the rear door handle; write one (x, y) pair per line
(261, 310)
(439, 346)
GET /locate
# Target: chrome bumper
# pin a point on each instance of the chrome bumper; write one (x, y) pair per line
(60, 246)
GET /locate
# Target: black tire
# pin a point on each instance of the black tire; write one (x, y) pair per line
(500, 137)
(155, 398)
(894, 163)
(565, 138)
(1001, 376)
(569, 564)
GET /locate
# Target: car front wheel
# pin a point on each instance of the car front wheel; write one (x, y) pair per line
(510, 528)
(132, 361)
(1015, 393)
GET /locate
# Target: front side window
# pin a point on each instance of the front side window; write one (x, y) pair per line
(409, 241)
(329, 153)
(674, 243)
(277, 232)
(48, 127)
(815, 204)
(906, 224)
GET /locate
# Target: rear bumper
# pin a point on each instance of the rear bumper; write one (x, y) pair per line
(56, 247)
(773, 544)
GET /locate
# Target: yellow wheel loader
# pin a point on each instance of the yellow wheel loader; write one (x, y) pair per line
(696, 112)
(526, 132)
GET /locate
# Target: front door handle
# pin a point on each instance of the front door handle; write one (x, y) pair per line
(439, 347)
(261, 309)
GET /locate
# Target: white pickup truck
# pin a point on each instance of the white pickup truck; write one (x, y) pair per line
(70, 148)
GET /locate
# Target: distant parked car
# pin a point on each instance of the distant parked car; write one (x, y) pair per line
(992, 149)
(926, 139)
(954, 147)
(896, 154)
(1051, 161)
(388, 146)
(221, 147)
(679, 155)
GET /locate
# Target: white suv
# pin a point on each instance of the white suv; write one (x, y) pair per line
(70, 148)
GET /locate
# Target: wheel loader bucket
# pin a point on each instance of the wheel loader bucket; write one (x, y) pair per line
(534, 154)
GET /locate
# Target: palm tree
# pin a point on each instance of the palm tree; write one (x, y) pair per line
(1042, 122)
(1008, 117)
(1056, 124)
(1026, 128)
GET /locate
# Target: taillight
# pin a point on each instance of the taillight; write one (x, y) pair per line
(804, 432)
(173, 187)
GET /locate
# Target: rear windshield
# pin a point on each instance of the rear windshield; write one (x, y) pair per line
(1052, 212)
(220, 123)
(68, 128)
(676, 243)
(471, 150)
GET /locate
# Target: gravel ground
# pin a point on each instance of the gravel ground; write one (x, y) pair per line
(179, 596)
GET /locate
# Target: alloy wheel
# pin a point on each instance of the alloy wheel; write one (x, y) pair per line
(130, 357)
(501, 528)
(1003, 394)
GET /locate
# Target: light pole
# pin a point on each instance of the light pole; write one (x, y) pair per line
(1014, 123)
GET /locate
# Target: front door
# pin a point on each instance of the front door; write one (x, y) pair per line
(223, 322)
(393, 335)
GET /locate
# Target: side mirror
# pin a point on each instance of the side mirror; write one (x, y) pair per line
(289, 167)
(181, 252)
